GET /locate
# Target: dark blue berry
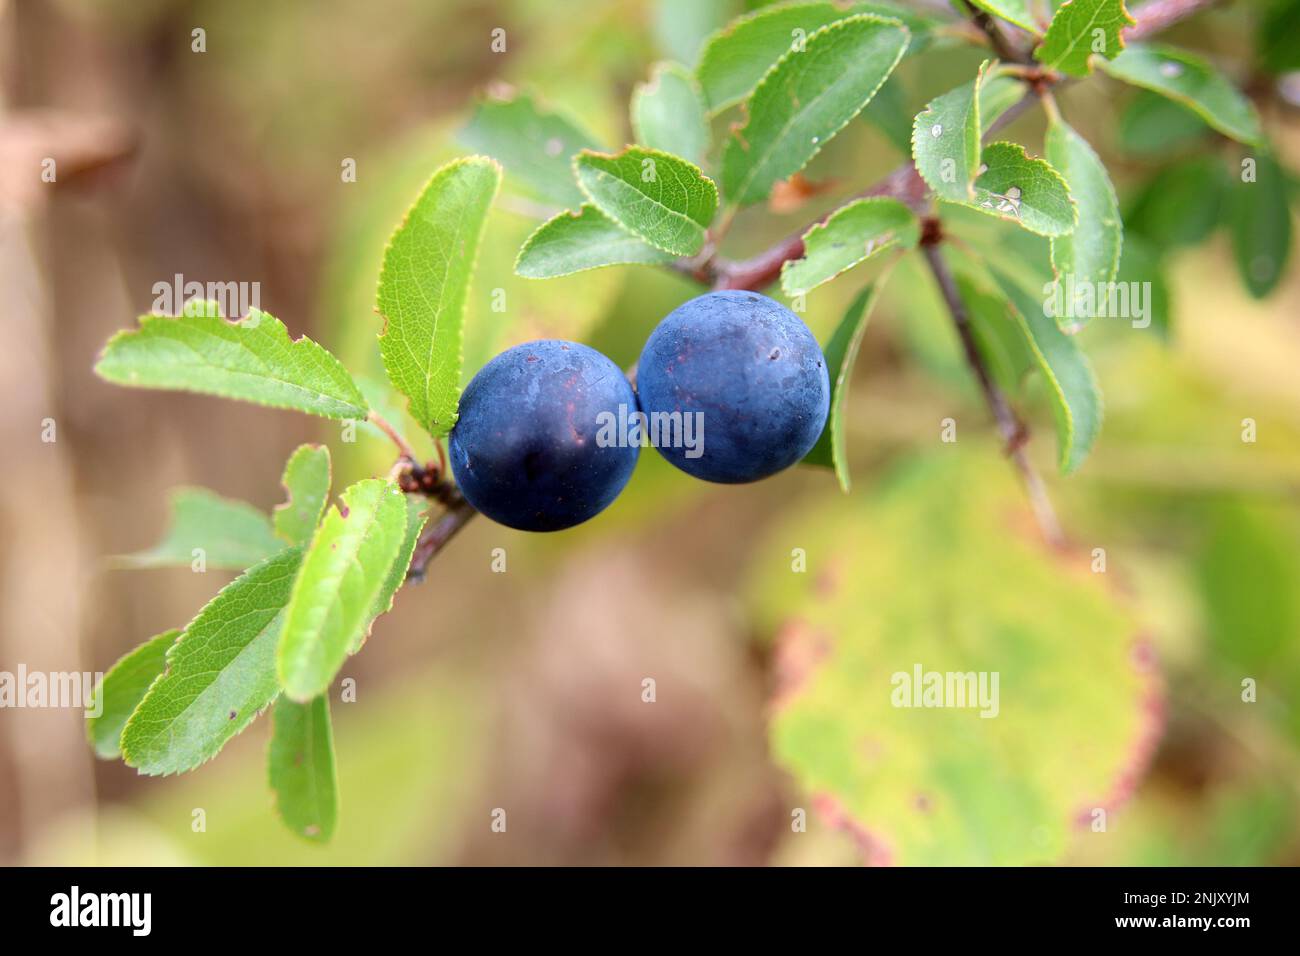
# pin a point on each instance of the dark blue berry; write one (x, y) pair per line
(751, 373)
(524, 449)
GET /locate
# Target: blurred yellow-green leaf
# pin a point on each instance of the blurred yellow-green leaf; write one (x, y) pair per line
(941, 571)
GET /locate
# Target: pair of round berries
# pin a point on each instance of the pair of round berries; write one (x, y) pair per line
(731, 387)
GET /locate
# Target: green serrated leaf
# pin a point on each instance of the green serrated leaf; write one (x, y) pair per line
(1261, 226)
(850, 235)
(300, 767)
(910, 768)
(122, 689)
(1013, 11)
(661, 198)
(1023, 190)
(841, 353)
(805, 99)
(307, 481)
(416, 516)
(226, 534)
(946, 140)
(334, 598)
(587, 239)
(423, 286)
(1073, 35)
(1189, 80)
(737, 57)
(535, 145)
(945, 137)
(220, 673)
(668, 113)
(1090, 254)
(1072, 387)
(252, 360)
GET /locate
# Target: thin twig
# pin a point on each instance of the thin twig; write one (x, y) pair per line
(903, 184)
(382, 424)
(1013, 431)
(997, 40)
(1012, 113)
(1049, 106)
(440, 531)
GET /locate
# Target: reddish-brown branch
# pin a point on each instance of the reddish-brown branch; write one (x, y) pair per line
(440, 530)
(759, 272)
(1010, 427)
(1006, 51)
(383, 425)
